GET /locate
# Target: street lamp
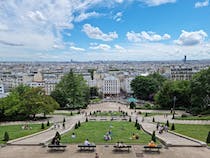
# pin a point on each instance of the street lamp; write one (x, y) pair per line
(174, 103)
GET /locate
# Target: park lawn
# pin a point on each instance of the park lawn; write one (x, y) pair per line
(154, 113)
(199, 132)
(66, 113)
(95, 131)
(114, 113)
(16, 131)
(194, 118)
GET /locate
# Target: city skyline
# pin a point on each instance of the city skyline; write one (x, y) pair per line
(88, 30)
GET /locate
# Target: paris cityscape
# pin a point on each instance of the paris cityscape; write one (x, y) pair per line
(98, 78)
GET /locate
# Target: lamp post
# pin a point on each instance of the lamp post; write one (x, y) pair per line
(174, 104)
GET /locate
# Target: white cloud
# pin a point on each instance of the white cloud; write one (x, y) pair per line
(103, 47)
(205, 3)
(191, 38)
(119, 48)
(77, 49)
(156, 2)
(96, 33)
(3, 27)
(84, 16)
(37, 15)
(118, 16)
(146, 36)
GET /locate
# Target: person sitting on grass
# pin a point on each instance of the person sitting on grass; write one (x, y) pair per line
(73, 135)
(152, 144)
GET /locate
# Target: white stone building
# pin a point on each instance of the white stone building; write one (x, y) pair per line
(111, 86)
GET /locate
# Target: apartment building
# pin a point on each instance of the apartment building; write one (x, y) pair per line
(111, 86)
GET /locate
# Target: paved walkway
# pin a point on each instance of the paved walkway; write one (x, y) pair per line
(168, 138)
(43, 137)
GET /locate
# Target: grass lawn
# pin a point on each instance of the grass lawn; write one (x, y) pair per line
(115, 113)
(194, 118)
(95, 131)
(16, 131)
(199, 132)
(65, 113)
(154, 113)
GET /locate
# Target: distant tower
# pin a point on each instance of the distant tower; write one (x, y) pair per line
(185, 59)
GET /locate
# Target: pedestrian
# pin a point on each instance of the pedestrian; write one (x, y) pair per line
(96, 156)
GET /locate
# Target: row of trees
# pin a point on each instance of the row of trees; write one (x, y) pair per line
(192, 95)
(25, 102)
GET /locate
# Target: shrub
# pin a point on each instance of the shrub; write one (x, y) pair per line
(76, 126)
(132, 105)
(57, 135)
(86, 120)
(173, 116)
(147, 106)
(136, 123)
(79, 124)
(138, 126)
(129, 119)
(153, 137)
(78, 112)
(146, 114)
(184, 115)
(42, 125)
(71, 113)
(48, 123)
(64, 120)
(167, 123)
(208, 138)
(153, 119)
(6, 136)
(173, 127)
(139, 112)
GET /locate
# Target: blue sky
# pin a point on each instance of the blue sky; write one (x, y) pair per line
(84, 30)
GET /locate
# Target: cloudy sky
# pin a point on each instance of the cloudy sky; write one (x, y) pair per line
(84, 30)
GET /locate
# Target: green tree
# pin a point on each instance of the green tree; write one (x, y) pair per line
(73, 90)
(93, 92)
(180, 89)
(144, 87)
(6, 136)
(200, 91)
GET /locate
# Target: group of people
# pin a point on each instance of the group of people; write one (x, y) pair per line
(135, 136)
(162, 128)
(120, 144)
(107, 136)
(26, 127)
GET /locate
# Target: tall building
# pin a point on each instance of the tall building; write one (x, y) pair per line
(111, 86)
(181, 73)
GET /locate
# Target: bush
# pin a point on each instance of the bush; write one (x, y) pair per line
(79, 124)
(167, 123)
(48, 123)
(6, 136)
(138, 126)
(132, 105)
(153, 137)
(42, 125)
(153, 119)
(57, 135)
(208, 138)
(146, 114)
(136, 123)
(129, 119)
(184, 115)
(76, 126)
(71, 113)
(147, 106)
(139, 112)
(86, 120)
(173, 117)
(173, 127)
(64, 120)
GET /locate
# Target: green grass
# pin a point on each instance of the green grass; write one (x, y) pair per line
(115, 113)
(154, 113)
(193, 118)
(16, 131)
(65, 113)
(95, 131)
(199, 132)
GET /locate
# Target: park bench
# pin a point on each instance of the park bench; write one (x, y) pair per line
(119, 148)
(57, 147)
(92, 119)
(87, 147)
(125, 119)
(103, 119)
(152, 148)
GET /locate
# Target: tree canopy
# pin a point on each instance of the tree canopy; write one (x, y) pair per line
(26, 102)
(72, 91)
